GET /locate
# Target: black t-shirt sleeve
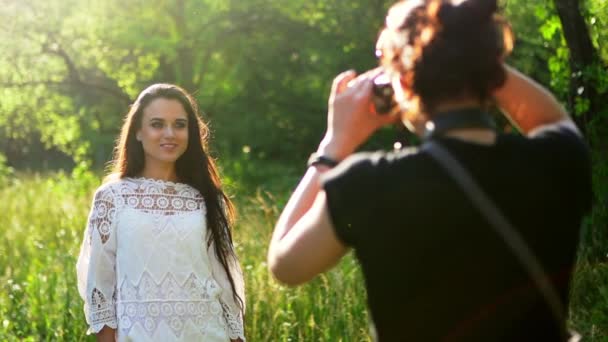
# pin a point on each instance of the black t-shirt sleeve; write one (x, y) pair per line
(563, 146)
(352, 190)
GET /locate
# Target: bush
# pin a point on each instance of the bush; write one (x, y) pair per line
(6, 172)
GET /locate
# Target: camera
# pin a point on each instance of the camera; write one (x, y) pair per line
(382, 94)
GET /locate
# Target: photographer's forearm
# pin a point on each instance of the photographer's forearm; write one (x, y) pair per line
(526, 103)
(305, 193)
(299, 203)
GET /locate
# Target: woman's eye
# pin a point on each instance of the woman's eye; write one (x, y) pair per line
(157, 125)
(180, 125)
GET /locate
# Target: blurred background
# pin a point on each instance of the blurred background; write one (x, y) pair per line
(261, 72)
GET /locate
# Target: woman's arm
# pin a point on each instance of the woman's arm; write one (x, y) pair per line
(233, 309)
(304, 242)
(526, 103)
(96, 266)
(106, 334)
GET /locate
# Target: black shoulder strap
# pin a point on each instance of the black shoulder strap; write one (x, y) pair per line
(501, 225)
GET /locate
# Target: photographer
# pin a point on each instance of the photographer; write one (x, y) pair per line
(434, 265)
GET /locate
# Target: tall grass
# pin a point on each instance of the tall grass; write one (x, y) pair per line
(42, 221)
(41, 225)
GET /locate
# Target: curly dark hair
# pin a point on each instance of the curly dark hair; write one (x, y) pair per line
(446, 49)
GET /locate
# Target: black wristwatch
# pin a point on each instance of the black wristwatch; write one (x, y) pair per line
(318, 159)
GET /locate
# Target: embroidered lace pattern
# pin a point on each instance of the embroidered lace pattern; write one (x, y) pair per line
(159, 197)
(150, 303)
(102, 213)
(182, 289)
(234, 321)
(102, 311)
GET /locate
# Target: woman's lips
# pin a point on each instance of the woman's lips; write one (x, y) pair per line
(168, 147)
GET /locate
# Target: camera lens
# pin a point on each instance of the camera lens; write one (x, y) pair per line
(383, 94)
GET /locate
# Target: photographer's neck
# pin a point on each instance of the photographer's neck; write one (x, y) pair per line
(476, 132)
(478, 136)
(451, 105)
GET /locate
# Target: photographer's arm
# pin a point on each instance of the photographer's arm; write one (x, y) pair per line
(528, 104)
(304, 242)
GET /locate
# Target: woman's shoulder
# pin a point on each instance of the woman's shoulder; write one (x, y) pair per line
(108, 187)
(114, 184)
(126, 186)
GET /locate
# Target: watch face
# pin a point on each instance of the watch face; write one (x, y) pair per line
(317, 159)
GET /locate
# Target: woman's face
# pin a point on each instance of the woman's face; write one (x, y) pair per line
(164, 131)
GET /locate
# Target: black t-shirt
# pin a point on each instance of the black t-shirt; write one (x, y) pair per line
(434, 269)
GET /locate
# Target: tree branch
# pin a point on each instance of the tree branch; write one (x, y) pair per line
(70, 83)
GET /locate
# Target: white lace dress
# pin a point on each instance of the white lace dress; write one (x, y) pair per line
(145, 270)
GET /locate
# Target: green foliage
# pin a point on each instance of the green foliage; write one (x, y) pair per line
(589, 301)
(255, 67)
(595, 12)
(6, 172)
(594, 237)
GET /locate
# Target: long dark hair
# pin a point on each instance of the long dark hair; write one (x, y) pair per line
(444, 49)
(194, 167)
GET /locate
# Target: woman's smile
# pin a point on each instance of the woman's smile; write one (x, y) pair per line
(170, 147)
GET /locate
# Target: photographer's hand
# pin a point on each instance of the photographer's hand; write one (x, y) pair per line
(350, 118)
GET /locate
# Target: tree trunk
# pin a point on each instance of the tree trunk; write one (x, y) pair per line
(184, 65)
(583, 84)
(582, 56)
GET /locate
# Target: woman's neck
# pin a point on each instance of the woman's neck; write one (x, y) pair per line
(159, 171)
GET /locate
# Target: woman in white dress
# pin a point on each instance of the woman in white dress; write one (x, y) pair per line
(157, 262)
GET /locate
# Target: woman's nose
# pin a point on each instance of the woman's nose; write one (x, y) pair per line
(169, 131)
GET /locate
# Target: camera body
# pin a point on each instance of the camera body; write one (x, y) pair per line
(383, 94)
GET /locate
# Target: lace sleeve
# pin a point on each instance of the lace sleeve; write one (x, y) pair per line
(96, 266)
(233, 314)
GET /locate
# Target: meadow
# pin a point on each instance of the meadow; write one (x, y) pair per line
(42, 220)
(42, 223)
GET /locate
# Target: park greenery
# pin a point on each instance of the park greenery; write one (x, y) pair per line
(261, 71)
